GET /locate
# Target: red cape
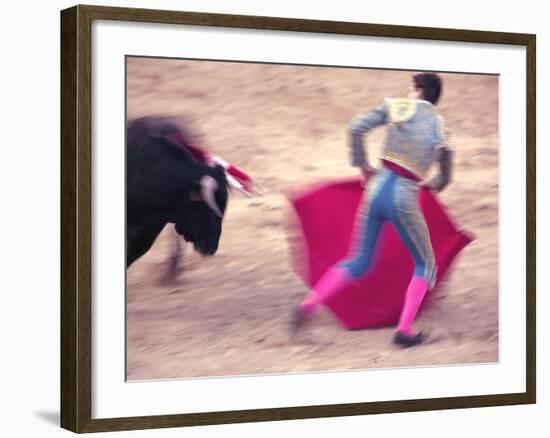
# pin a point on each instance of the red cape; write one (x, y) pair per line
(326, 216)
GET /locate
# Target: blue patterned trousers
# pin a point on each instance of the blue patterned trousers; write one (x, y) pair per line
(393, 198)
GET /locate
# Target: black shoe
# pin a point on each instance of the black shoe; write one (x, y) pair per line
(297, 320)
(405, 340)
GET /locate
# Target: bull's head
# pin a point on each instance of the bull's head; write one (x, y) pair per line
(202, 222)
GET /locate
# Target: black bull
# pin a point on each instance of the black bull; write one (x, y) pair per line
(166, 184)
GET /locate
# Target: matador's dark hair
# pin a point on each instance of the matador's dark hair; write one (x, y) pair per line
(430, 84)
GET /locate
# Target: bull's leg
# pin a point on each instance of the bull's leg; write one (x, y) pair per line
(176, 258)
(139, 239)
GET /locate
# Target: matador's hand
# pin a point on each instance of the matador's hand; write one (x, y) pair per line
(367, 171)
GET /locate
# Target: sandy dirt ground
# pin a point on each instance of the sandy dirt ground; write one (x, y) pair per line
(286, 125)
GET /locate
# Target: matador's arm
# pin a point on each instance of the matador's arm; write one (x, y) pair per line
(357, 129)
(443, 176)
(444, 157)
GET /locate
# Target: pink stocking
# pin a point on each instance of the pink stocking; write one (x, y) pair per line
(330, 283)
(413, 299)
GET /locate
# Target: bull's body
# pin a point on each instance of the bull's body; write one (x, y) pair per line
(164, 186)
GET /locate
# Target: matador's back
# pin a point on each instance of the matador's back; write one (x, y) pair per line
(415, 133)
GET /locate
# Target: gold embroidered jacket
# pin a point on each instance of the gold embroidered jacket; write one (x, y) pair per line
(416, 133)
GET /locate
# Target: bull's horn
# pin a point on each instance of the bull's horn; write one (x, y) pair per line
(208, 187)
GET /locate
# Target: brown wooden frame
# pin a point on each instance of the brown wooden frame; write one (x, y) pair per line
(76, 174)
